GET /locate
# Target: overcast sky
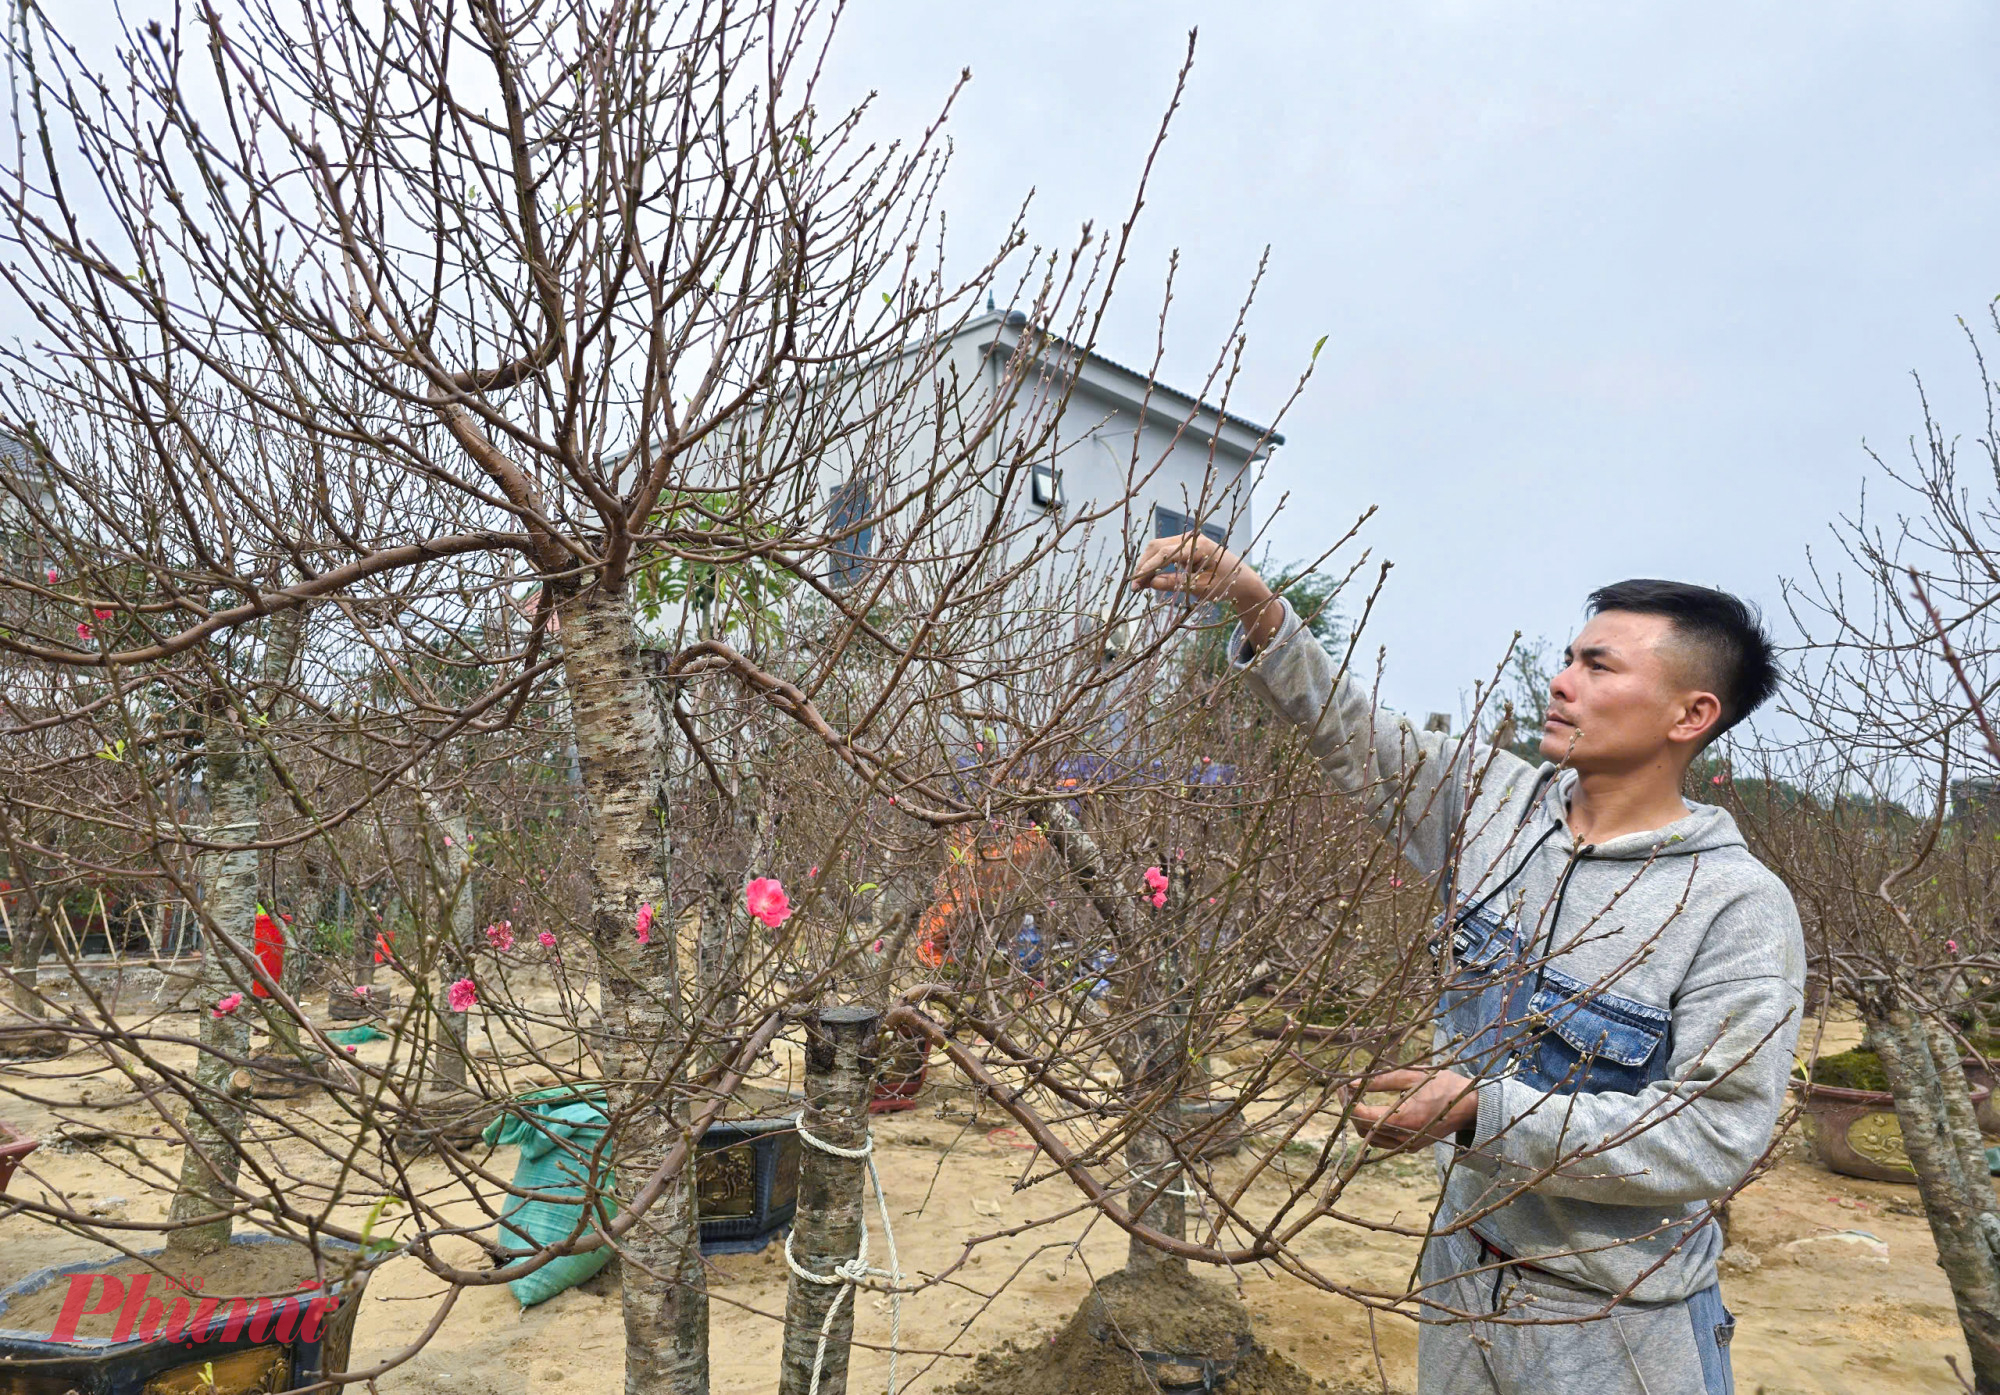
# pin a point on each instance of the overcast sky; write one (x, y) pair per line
(1611, 290)
(1608, 291)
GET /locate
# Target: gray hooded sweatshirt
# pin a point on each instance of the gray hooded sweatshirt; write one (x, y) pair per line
(1629, 1008)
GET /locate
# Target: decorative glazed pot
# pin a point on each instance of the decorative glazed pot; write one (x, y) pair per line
(1987, 1109)
(746, 1183)
(1855, 1131)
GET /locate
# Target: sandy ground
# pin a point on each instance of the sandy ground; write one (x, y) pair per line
(1822, 1310)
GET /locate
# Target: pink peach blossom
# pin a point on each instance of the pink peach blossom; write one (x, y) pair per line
(548, 940)
(812, 871)
(875, 948)
(765, 899)
(229, 1005)
(100, 614)
(1156, 880)
(1158, 898)
(462, 995)
(54, 576)
(500, 934)
(643, 926)
(1951, 945)
(82, 631)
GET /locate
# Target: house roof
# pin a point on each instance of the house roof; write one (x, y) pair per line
(1004, 329)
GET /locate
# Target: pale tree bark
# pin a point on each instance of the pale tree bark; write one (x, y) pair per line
(27, 933)
(722, 944)
(621, 756)
(840, 1067)
(448, 1053)
(233, 759)
(1151, 1062)
(1941, 1136)
(1149, 1054)
(228, 888)
(27, 941)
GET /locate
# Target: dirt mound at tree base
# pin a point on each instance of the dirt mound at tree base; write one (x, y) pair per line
(1138, 1334)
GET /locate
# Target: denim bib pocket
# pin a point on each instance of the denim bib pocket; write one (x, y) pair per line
(1593, 1041)
(1482, 990)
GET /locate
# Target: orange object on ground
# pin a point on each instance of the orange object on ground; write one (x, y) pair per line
(270, 950)
(981, 867)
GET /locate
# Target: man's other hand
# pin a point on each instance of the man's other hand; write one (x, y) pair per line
(1205, 569)
(1436, 1104)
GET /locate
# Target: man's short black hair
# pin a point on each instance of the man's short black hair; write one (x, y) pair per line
(1728, 634)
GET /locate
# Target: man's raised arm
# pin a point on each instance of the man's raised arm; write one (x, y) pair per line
(1416, 783)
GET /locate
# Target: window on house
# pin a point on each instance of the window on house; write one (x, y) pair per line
(1045, 486)
(845, 510)
(1168, 523)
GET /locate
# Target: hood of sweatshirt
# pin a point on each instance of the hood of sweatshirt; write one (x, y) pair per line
(1704, 829)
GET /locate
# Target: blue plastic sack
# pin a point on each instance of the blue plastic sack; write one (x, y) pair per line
(556, 1138)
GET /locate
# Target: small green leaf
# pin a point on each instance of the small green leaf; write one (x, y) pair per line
(886, 300)
(1321, 345)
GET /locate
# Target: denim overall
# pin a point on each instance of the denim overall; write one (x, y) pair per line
(1509, 1013)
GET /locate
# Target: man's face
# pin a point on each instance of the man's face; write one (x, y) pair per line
(1626, 697)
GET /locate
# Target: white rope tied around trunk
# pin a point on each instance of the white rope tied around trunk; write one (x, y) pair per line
(854, 1272)
(1183, 1191)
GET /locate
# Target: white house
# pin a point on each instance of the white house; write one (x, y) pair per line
(1128, 457)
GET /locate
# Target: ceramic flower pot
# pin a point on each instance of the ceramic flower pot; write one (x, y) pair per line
(1855, 1131)
(746, 1182)
(1979, 1077)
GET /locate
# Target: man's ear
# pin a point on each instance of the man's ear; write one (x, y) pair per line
(1698, 715)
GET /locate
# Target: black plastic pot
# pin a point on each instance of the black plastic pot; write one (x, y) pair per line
(746, 1183)
(33, 1363)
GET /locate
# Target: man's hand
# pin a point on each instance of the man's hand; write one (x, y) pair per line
(1436, 1104)
(1205, 569)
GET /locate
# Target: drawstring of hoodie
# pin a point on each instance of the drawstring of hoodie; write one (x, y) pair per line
(1507, 881)
(1555, 916)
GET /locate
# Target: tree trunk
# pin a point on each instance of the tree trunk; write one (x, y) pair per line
(228, 882)
(448, 1054)
(26, 972)
(27, 937)
(621, 759)
(1934, 1108)
(722, 945)
(1159, 1182)
(228, 887)
(840, 1067)
(1149, 1056)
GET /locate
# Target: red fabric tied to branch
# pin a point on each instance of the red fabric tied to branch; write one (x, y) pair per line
(270, 951)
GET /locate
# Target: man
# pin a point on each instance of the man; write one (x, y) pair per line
(1621, 985)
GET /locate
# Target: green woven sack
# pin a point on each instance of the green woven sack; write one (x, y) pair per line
(555, 1140)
